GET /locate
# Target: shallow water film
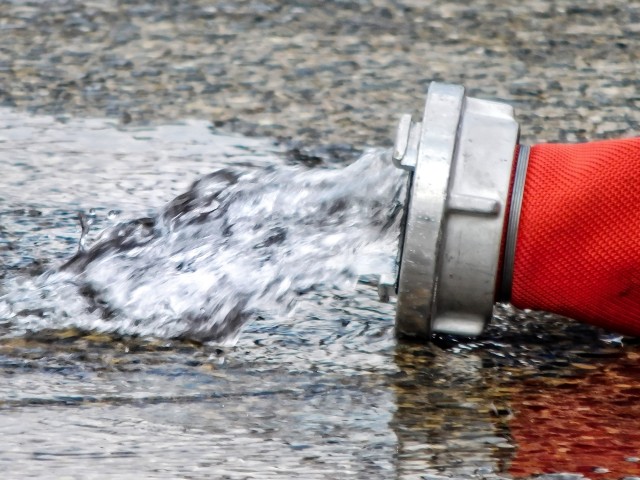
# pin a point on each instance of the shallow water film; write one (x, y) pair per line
(322, 390)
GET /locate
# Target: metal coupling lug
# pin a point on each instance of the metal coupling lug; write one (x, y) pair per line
(461, 160)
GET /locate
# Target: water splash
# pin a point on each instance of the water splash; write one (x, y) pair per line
(239, 244)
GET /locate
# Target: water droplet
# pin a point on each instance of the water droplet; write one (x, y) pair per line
(84, 226)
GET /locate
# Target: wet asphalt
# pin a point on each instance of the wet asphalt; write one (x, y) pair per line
(330, 77)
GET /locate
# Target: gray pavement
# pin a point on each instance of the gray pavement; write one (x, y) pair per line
(331, 73)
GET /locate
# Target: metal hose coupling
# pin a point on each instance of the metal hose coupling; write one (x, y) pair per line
(460, 157)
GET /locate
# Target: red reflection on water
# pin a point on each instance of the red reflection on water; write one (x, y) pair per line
(580, 425)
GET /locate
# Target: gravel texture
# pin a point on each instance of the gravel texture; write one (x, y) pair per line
(330, 76)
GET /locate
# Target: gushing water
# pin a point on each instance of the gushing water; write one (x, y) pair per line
(239, 244)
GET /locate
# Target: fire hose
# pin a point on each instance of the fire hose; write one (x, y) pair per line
(552, 227)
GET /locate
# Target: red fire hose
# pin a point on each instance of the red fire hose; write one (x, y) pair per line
(578, 243)
(557, 228)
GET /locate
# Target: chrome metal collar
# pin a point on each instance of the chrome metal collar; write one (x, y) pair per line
(461, 159)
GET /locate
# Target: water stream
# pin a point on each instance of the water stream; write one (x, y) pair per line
(243, 242)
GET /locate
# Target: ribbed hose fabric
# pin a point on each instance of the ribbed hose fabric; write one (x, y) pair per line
(578, 245)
